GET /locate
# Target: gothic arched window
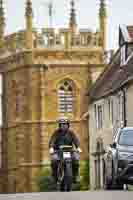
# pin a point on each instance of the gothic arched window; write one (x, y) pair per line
(66, 97)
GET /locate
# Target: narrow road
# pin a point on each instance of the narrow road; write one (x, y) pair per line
(87, 195)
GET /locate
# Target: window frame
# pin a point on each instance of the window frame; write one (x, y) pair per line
(111, 109)
(99, 115)
(66, 97)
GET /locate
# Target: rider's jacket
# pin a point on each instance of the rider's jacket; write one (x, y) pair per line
(60, 137)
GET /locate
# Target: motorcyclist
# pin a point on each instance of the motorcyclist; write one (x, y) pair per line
(64, 136)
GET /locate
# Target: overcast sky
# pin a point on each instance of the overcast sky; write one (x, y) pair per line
(119, 12)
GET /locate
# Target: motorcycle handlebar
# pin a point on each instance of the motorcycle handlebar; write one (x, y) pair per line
(73, 150)
(67, 147)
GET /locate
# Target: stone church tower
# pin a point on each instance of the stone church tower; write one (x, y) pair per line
(45, 74)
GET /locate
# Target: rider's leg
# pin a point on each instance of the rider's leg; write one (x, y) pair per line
(75, 166)
(54, 165)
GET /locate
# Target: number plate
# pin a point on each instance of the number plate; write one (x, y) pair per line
(66, 155)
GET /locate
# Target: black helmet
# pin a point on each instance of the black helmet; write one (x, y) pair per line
(64, 121)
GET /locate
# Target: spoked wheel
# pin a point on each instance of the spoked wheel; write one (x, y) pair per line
(60, 176)
(66, 182)
(68, 176)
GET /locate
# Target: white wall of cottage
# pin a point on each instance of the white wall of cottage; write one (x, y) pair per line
(106, 133)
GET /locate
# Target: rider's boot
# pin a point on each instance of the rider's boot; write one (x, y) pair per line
(76, 178)
(54, 170)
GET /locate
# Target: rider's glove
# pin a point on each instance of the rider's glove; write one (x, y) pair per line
(79, 150)
(51, 150)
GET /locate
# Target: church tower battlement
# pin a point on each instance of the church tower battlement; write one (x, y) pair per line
(71, 38)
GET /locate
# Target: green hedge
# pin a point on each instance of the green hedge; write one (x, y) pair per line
(84, 175)
(45, 182)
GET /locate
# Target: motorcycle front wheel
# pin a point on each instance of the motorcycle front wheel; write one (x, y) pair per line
(67, 181)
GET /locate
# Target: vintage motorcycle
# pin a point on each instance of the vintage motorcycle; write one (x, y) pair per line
(64, 170)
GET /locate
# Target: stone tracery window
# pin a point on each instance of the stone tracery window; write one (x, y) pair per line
(66, 97)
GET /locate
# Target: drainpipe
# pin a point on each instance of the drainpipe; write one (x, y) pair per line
(124, 107)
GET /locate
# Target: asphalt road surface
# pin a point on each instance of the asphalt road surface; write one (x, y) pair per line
(87, 195)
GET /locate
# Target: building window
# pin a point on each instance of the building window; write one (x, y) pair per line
(110, 108)
(99, 116)
(120, 112)
(66, 98)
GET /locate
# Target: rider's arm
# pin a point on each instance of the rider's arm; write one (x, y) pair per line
(52, 139)
(75, 140)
